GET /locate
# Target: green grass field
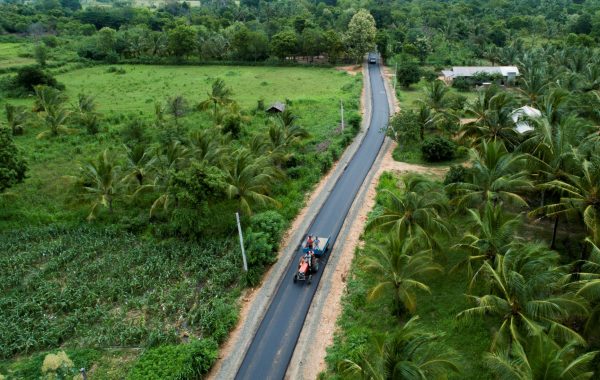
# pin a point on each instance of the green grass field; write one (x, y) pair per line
(10, 55)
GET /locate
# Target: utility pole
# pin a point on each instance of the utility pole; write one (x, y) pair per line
(237, 217)
(342, 112)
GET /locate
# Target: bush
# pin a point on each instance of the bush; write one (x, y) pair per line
(456, 174)
(271, 223)
(438, 149)
(177, 362)
(462, 84)
(354, 120)
(27, 78)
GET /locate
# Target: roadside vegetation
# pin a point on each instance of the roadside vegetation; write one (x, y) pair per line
(133, 131)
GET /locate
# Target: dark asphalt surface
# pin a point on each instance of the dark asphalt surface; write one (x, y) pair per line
(273, 345)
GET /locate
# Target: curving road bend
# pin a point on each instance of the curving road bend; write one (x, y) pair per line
(270, 352)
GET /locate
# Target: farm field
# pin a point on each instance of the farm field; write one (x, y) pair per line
(113, 290)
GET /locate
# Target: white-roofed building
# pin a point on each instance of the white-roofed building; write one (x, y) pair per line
(509, 73)
(521, 116)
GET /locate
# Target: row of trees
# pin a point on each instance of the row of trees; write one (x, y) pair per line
(236, 42)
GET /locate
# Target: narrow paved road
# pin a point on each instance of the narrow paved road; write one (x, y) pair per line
(273, 345)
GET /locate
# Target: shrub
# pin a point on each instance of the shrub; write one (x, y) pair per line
(438, 149)
(462, 84)
(177, 362)
(12, 165)
(456, 174)
(354, 120)
(271, 223)
(30, 76)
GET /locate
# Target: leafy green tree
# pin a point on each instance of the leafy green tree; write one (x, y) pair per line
(250, 179)
(408, 74)
(333, 45)
(399, 267)
(360, 35)
(414, 214)
(182, 40)
(496, 176)
(404, 127)
(524, 296)
(16, 118)
(12, 165)
(284, 44)
(106, 40)
(407, 354)
(101, 178)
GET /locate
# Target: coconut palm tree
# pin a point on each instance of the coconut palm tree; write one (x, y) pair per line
(533, 83)
(101, 178)
(492, 112)
(220, 95)
(172, 159)
(249, 180)
(85, 112)
(492, 232)
(587, 285)
(284, 133)
(49, 102)
(417, 213)
(140, 162)
(496, 176)
(523, 294)
(542, 360)
(210, 147)
(398, 267)
(436, 96)
(16, 118)
(549, 148)
(406, 354)
(580, 196)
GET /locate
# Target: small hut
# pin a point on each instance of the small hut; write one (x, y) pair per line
(276, 107)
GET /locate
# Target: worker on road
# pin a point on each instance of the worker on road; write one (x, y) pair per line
(309, 242)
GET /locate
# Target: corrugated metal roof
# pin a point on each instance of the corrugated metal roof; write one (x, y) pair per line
(469, 71)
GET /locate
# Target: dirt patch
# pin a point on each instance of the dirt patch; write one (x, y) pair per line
(352, 69)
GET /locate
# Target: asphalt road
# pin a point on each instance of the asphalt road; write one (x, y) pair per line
(270, 352)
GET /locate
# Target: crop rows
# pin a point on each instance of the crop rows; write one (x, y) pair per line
(101, 288)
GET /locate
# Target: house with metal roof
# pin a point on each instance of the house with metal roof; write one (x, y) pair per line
(522, 116)
(276, 107)
(509, 73)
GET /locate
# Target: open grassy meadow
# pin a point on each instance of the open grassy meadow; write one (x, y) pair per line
(11, 55)
(125, 285)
